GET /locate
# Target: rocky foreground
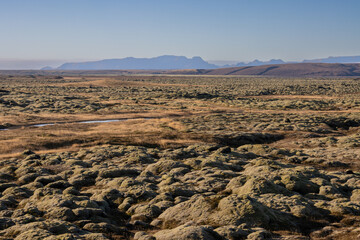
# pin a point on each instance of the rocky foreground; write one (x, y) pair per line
(196, 192)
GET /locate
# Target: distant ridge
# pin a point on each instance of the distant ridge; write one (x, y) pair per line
(292, 70)
(170, 62)
(340, 59)
(130, 63)
(347, 59)
(256, 63)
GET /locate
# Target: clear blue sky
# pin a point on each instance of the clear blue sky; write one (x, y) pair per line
(213, 29)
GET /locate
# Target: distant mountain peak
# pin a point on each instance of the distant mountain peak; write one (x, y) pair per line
(160, 62)
(47, 68)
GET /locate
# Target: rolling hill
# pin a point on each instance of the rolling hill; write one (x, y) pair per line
(291, 70)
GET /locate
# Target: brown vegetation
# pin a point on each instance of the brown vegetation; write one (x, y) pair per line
(217, 151)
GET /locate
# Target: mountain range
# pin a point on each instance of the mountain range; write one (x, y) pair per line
(162, 62)
(170, 62)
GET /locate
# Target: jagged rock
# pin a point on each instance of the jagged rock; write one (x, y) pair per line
(339, 207)
(27, 178)
(88, 213)
(144, 212)
(5, 223)
(232, 232)
(104, 228)
(86, 178)
(197, 209)
(44, 180)
(137, 189)
(65, 236)
(298, 183)
(143, 236)
(51, 227)
(164, 166)
(188, 232)
(61, 184)
(62, 213)
(34, 234)
(111, 196)
(95, 236)
(4, 186)
(18, 192)
(256, 185)
(109, 190)
(26, 218)
(244, 209)
(126, 204)
(259, 235)
(355, 195)
(117, 172)
(295, 205)
(229, 210)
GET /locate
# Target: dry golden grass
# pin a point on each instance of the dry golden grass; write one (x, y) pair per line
(111, 82)
(298, 111)
(29, 119)
(165, 97)
(170, 113)
(303, 97)
(162, 132)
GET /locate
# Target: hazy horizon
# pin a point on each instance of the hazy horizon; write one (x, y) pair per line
(29, 64)
(25, 64)
(217, 31)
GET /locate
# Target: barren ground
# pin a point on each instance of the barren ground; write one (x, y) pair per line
(191, 157)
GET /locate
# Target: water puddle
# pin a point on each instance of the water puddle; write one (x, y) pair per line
(104, 121)
(62, 123)
(42, 125)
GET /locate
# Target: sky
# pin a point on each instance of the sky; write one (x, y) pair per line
(53, 31)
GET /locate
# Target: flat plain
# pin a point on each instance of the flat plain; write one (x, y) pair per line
(102, 156)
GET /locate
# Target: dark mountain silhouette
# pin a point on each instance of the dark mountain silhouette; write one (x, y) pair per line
(162, 62)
